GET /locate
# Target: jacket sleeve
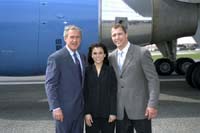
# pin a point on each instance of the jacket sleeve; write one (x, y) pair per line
(51, 83)
(152, 78)
(113, 92)
(86, 93)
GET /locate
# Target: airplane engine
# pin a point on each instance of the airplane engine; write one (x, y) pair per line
(148, 21)
(173, 19)
(153, 21)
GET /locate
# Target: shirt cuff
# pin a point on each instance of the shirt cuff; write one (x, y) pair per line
(56, 109)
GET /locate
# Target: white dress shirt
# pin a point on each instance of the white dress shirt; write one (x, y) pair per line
(121, 55)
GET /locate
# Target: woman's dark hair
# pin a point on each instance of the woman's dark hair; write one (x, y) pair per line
(97, 45)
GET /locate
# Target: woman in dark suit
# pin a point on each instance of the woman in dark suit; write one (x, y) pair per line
(100, 90)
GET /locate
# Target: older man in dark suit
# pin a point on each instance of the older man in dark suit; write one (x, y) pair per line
(138, 84)
(64, 76)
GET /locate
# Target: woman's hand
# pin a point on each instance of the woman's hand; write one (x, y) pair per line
(112, 118)
(88, 120)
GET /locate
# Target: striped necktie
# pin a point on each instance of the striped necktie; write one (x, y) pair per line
(78, 65)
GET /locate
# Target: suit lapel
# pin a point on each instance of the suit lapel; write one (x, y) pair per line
(68, 57)
(83, 60)
(69, 61)
(128, 59)
(114, 62)
(102, 72)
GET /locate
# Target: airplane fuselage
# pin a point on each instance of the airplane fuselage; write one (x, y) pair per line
(30, 30)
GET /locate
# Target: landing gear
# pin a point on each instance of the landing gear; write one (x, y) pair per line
(164, 66)
(182, 64)
(188, 75)
(193, 75)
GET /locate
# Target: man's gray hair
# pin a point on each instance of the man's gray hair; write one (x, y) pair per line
(71, 27)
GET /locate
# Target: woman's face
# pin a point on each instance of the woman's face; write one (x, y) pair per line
(98, 55)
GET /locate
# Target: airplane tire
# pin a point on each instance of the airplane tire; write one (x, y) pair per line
(164, 66)
(182, 64)
(188, 75)
(196, 76)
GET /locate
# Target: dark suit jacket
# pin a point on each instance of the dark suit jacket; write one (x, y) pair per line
(61, 85)
(100, 92)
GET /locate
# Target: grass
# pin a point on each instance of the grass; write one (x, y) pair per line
(194, 55)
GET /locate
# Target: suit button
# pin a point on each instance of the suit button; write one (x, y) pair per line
(121, 77)
(122, 86)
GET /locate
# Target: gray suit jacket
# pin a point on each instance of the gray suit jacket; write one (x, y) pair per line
(138, 83)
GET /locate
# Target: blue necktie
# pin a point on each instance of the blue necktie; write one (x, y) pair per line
(78, 65)
(120, 62)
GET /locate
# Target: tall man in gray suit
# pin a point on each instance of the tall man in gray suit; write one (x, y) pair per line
(138, 84)
(64, 76)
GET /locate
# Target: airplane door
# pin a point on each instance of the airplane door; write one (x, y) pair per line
(51, 29)
(18, 36)
(55, 14)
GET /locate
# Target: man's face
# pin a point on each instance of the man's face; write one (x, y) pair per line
(73, 39)
(119, 37)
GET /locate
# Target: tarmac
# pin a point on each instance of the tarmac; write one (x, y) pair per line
(24, 108)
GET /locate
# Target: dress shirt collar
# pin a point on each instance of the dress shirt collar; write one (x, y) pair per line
(72, 52)
(125, 49)
(72, 55)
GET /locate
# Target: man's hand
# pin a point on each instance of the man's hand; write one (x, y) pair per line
(151, 113)
(58, 115)
(112, 118)
(88, 120)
